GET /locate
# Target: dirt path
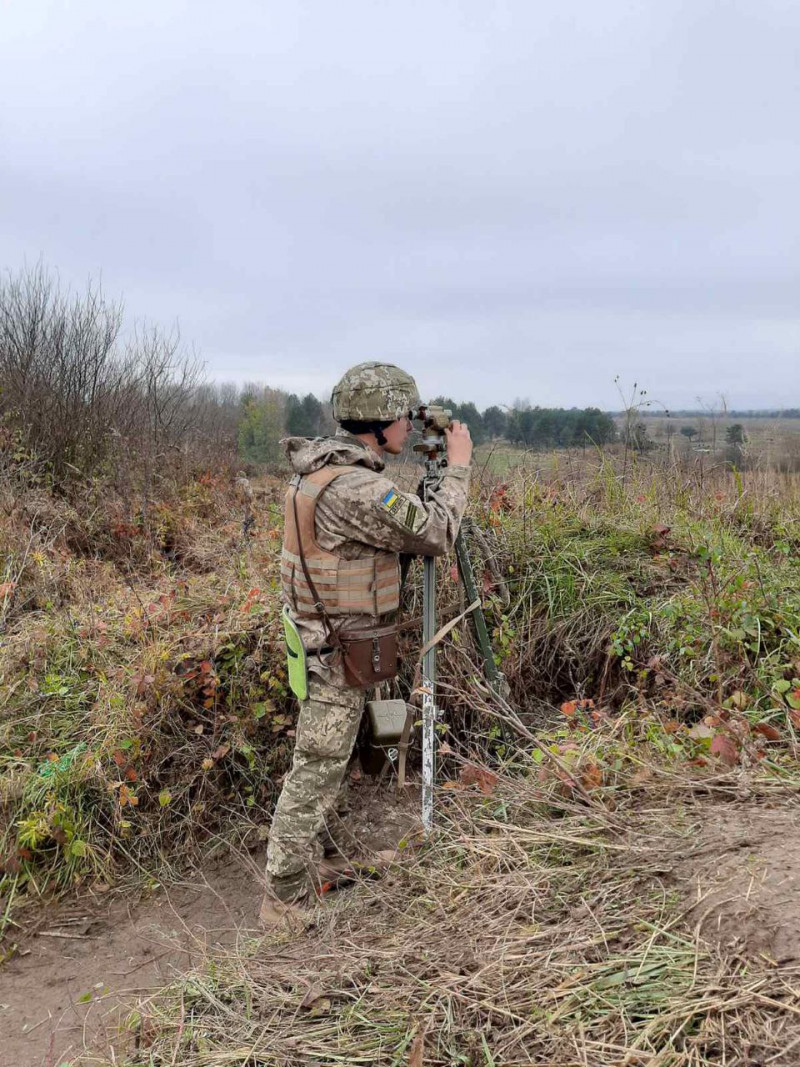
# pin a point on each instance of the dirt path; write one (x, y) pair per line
(82, 963)
(85, 960)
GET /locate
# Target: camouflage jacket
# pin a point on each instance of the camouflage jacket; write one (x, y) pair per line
(364, 511)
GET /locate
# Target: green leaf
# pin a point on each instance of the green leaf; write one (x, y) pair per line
(164, 797)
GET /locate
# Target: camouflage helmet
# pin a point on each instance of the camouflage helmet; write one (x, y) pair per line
(374, 392)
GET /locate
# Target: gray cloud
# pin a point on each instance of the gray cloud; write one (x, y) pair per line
(509, 199)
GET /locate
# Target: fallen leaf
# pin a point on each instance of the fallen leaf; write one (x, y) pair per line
(313, 993)
(485, 779)
(591, 776)
(766, 729)
(415, 1056)
(724, 747)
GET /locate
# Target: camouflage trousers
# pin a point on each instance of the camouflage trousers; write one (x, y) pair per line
(315, 787)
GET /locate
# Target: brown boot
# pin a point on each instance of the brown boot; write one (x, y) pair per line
(335, 872)
(296, 915)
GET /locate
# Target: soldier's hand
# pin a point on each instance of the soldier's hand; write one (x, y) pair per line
(459, 445)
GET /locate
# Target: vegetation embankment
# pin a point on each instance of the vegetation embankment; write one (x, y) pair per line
(615, 892)
(144, 698)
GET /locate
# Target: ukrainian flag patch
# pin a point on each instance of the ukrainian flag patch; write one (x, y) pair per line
(391, 500)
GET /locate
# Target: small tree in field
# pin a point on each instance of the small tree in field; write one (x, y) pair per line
(688, 432)
(734, 435)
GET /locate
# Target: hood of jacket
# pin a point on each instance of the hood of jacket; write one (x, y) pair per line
(344, 449)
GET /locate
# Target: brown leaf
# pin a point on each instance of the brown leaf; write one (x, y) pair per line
(485, 779)
(130, 774)
(726, 748)
(119, 758)
(221, 752)
(591, 776)
(766, 729)
(415, 1056)
(641, 776)
(313, 993)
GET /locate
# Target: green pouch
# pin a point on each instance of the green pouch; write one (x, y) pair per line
(296, 657)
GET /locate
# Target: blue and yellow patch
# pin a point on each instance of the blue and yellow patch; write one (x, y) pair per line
(391, 500)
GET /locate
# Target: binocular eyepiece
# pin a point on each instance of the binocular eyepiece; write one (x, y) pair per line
(435, 420)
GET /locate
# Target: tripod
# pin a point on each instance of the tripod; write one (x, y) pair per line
(435, 421)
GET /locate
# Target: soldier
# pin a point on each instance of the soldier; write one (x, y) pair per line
(359, 523)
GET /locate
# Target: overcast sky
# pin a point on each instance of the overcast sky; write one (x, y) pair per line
(509, 198)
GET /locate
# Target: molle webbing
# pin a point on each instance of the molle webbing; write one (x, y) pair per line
(369, 586)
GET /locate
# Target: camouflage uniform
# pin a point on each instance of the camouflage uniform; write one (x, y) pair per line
(360, 513)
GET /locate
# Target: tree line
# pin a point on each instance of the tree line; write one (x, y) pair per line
(80, 396)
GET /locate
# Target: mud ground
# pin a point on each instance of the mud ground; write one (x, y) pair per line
(81, 964)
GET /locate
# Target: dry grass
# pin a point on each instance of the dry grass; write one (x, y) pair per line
(530, 930)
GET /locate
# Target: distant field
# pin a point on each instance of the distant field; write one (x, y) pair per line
(769, 443)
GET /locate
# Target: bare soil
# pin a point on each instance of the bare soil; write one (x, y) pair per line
(744, 875)
(81, 964)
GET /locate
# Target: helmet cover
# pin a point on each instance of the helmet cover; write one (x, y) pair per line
(374, 392)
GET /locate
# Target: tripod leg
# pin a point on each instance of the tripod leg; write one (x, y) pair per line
(428, 692)
(494, 676)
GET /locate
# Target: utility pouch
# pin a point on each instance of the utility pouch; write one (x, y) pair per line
(389, 732)
(296, 657)
(387, 718)
(369, 660)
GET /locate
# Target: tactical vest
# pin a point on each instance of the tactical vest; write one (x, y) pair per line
(369, 586)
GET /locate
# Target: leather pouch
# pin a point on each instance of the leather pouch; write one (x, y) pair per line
(373, 659)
